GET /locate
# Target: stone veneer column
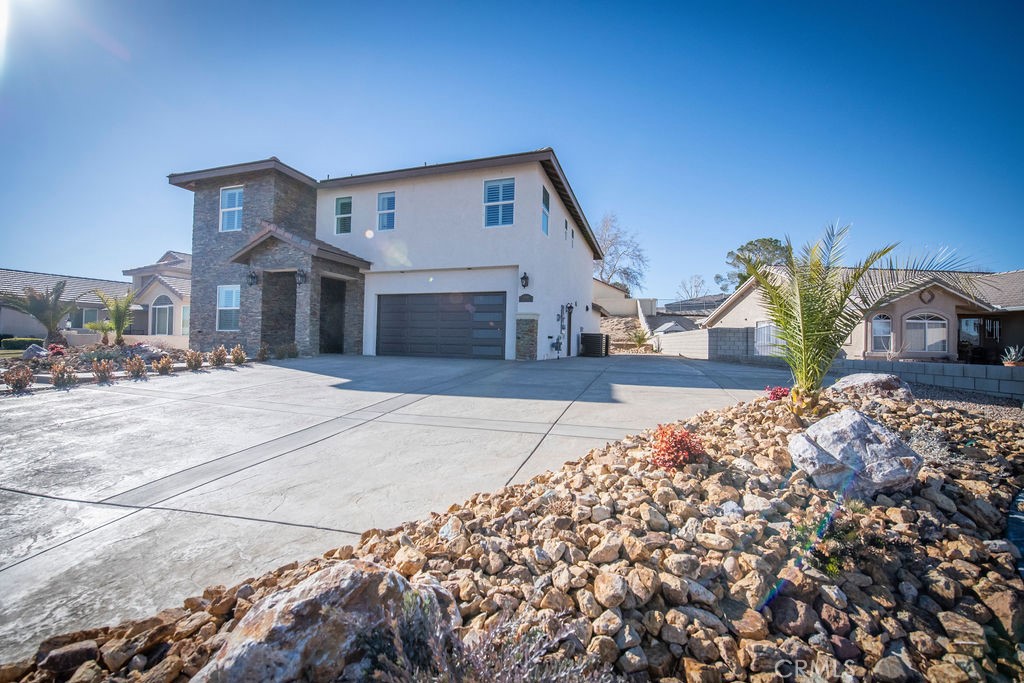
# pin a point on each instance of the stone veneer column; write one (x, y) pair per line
(526, 337)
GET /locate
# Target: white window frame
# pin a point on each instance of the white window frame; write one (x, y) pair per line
(96, 311)
(232, 209)
(929, 320)
(186, 319)
(382, 213)
(237, 300)
(339, 216)
(875, 348)
(167, 312)
(502, 203)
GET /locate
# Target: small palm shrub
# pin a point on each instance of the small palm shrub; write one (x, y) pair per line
(62, 376)
(219, 357)
(135, 367)
(1013, 354)
(263, 354)
(639, 338)
(193, 359)
(19, 378)
(673, 447)
(238, 356)
(163, 366)
(287, 351)
(103, 371)
(103, 326)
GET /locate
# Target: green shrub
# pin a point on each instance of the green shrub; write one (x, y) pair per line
(62, 376)
(163, 366)
(263, 353)
(19, 343)
(193, 359)
(238, 356)
(103, 371)
(135, 367)
(219, 357)
(19, 378)
(287, 351)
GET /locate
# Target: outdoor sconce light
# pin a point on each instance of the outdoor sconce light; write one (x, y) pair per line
(254, 278)
(301, 277)
(525, 280)
(67, 324)
(568, 308)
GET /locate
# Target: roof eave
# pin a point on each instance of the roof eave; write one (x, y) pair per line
(189, 179)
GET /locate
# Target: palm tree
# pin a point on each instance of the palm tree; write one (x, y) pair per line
(103, 326)
(119, 310)
(815, 303)
(45, 306)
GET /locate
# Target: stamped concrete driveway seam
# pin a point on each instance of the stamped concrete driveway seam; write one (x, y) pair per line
(134, 499)
(560, 416)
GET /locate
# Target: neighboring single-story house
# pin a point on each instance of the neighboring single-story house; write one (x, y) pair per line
(163, 296)
(80, 290)
(934, 322)
(485, 258)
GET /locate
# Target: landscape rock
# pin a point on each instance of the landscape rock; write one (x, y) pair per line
(852, 453)
(313, 630)
(34, 351)
(874, 384)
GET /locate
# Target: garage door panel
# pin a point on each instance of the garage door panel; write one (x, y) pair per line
(467, 324)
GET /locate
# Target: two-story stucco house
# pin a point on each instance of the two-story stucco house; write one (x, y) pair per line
(486, 258)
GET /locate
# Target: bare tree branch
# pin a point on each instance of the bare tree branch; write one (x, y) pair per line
(624, 259)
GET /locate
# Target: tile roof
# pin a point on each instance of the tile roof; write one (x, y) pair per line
(80, 288)
(1004, 290)
(181, 285)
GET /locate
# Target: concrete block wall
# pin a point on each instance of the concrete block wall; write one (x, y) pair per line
(996, 380)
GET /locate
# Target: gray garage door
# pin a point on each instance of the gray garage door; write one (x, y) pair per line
(461, 324)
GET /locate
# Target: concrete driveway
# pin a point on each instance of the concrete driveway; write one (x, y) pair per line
(119, 501)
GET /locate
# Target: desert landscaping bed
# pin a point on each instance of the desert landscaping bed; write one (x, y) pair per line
(732, 567)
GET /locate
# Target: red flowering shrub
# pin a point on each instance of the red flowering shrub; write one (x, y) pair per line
(56, 349)
(674, 447)
(776, 393)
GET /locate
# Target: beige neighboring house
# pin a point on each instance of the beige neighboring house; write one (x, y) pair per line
(163, 300)
(80, 290)
(933, 323)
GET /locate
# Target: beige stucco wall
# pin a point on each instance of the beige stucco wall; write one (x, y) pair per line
(747, 311)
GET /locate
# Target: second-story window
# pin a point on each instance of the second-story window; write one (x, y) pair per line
(385, 210)
(499, 202)
(230, 209)
(545, 209)
(342, 215)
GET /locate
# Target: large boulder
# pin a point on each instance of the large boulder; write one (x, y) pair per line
(34, 351)
(852, 453)
(332, 626)
(874, 384)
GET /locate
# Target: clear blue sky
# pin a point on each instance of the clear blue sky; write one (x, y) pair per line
(702, 125)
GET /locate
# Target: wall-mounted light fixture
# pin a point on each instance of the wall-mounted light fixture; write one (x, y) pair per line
(254, 278)
(301, 277)
(525, 280)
